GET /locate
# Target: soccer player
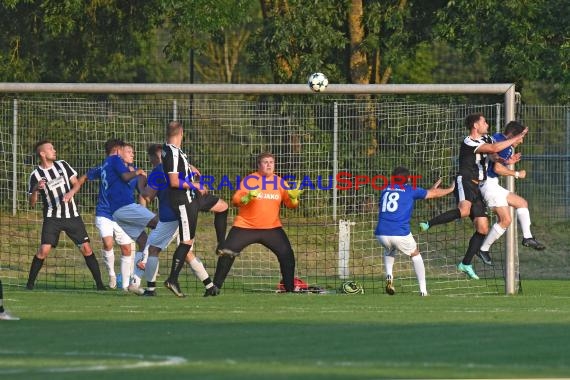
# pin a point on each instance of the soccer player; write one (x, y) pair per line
(393, 228)
(258, 199)
(207, 202)
(57, 183)
(105, 224)
(4, 315)
(132, 217)
(165, 231)
(183, 201)
(499, 199)
(472, 172)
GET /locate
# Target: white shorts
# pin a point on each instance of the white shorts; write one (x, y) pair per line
(133, 219)
(494, 194)
(405, 244)
(108, 227)
(163, 234)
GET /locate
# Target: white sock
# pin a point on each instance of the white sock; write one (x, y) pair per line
(524, 220)
(496, 232)
(151, 269)
(132, 256)
(198, 269)
(109, 260)
(145, 253)
(137, 272)
(389, 264)
(126, 270)
(420, 272)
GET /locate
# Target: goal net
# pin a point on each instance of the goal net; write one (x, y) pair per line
(332, 145)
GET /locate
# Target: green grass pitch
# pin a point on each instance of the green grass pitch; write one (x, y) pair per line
(107, 335)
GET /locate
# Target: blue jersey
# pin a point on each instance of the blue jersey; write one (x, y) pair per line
(396, 207)
(505, 153)
(118, 192)
(103, 207)
(165, 211)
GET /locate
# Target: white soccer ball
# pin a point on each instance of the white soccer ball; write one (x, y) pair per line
(318, 82)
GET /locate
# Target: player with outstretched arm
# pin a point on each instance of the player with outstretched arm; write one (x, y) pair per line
(393, 228)
(471, 174)
(499, 199)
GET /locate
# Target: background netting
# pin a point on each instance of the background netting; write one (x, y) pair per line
(312, 141)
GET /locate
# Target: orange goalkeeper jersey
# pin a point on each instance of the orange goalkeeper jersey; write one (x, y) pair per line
(261, 212)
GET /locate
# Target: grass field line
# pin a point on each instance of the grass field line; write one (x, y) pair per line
(435, 364)
(85, 361)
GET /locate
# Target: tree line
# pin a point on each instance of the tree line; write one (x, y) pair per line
(283, 41)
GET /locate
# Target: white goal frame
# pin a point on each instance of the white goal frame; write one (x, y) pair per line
(505, 89)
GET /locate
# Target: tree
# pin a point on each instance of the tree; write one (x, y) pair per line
(524, 42)
(300, 37)
(358, 62)
(77, 41)
(215, 31)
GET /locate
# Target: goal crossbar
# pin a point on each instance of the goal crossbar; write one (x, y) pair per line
(178, 88)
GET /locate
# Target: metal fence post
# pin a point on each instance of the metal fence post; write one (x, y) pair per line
(511, 253)
(15, 159)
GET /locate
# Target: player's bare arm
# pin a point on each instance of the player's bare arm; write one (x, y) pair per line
(194, 169)
(127, 176)
(174, 180)
(76, 185)
(141, 183)
(497, 147)
(502, 170)
(34, 194)
(510, 161)
(149, 193)
(436, 192)
(82, 179)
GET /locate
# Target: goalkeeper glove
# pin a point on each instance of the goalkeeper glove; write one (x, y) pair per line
(252, 194)
(294, 194)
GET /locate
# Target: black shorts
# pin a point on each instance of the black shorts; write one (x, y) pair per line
(187, 214)
(467, 190)
(274, 238)
(206, 201)
(73, 227)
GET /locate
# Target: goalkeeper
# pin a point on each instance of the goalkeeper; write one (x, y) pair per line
(258, 199)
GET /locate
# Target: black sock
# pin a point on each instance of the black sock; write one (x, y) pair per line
(221, 225)
(222, 269)
(475, 244)
(178, 260)
(287, 268)
(34, 270)
(207, 282)
(446, 217)
(151, 285)
(1, 298)
(93, 266)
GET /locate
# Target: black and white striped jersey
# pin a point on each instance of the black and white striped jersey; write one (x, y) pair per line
(174, 160)
(473, 165)
(57, 185)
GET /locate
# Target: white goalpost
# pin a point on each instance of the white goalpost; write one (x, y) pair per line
(320, 138)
